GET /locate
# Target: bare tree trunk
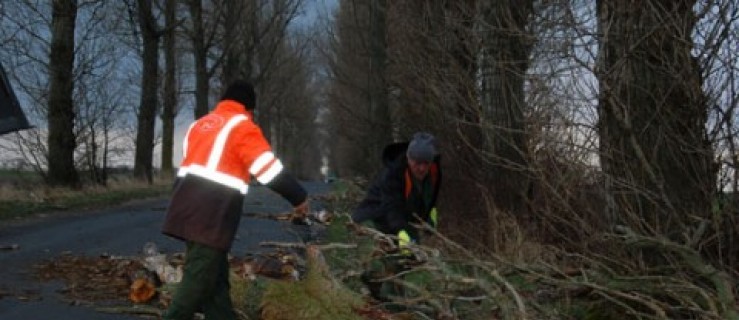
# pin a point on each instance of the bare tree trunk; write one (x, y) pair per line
(170, 90)
(200, 56)
(149, 82)
(61, 114)
(420, 64)
(506, 49)
(378, 105)
(359, 98)
(462, 69)
(653, 115)
(233, 34)
(106, 151)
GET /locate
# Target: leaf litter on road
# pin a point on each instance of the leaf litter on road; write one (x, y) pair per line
(89, 279)
(115, 284)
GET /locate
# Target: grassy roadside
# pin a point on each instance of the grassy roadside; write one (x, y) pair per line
(20, 200)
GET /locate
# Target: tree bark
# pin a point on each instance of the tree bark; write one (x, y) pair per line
(149, 82)
(506, 48)
(378, 104)
(654, 148)
(61, 140)
(169, 105)
(233, 35)
(359, 97)
(200, 57)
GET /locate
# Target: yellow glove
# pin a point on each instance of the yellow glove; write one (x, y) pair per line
(404, 239)
(434, 217)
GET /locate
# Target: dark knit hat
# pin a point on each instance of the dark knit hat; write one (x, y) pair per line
(242, 92)
(422, 147)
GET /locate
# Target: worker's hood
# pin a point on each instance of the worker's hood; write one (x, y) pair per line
(393, 151)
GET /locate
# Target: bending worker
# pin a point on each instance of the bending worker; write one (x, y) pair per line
(406, 188)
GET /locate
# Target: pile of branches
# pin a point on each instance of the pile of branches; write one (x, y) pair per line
(444, 280)
(633, 276)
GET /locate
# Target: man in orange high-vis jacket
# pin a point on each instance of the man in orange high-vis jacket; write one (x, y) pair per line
(222, 151)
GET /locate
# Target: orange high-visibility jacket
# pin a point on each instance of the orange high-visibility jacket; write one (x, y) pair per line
(222, 150)
(222, 144)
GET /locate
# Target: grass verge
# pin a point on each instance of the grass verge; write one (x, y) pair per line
(20, 201)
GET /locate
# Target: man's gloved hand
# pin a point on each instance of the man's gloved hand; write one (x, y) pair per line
(404, 240)
(434, 217)
(300, 213)
(411, 255)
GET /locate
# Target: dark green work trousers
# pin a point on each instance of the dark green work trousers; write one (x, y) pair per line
(204, 286)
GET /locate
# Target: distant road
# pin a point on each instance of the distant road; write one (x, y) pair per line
(120, 231)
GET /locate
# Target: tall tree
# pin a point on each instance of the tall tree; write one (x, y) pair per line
(150, 34)
(359, 91)
(61, 140)
(377, 88)
(170, 100)
(506, 46)
(216, 34)
(654, 148)
(200, 46)
(233, 34)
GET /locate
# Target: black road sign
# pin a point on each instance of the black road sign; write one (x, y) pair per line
(11, 114)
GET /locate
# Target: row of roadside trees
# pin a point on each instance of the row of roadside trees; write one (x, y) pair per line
(570, 123)
(573, 123)
(107, 83)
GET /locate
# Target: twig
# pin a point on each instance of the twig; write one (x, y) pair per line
(296, 245)
(270, 216)
(720, 280)
(138, 310)
(375, 234)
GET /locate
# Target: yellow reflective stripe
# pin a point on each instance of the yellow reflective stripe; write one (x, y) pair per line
(261, 161)
(215, 176)
(220, 143)
(271, 173)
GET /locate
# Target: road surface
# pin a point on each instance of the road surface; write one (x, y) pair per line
(120, 231)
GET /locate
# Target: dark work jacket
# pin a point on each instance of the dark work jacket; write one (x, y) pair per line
(390, 202)
(204, 211)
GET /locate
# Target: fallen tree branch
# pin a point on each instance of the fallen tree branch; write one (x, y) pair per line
(137, 310)
(297, 245)
(284, 216)
(721, 281)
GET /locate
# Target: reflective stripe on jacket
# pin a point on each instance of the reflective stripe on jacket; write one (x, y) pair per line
(221, 144)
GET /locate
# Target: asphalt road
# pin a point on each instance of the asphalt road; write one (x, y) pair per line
(120, 231)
